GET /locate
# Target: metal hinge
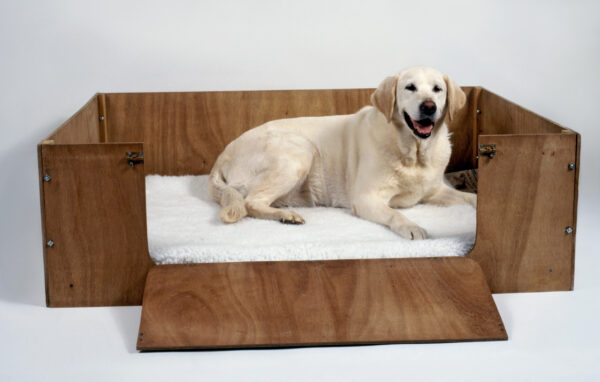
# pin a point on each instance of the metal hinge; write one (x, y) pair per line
(489, 150)
(135, 158)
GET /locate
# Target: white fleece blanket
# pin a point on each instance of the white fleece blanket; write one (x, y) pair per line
(184, 227)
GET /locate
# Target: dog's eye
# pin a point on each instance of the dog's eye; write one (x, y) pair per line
(437, 89)
(411, 87)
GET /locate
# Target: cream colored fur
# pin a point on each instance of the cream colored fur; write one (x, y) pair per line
(370, 162)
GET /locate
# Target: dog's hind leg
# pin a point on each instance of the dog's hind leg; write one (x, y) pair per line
(260, 210)
(273, 185)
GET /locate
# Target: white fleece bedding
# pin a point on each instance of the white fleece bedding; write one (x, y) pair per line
(184, 227)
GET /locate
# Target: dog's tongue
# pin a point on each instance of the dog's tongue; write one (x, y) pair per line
(423, 126)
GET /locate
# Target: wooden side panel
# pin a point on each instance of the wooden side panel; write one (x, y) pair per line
(82, 127)
(526, 197)
(500, 116)
(306, 303)
(464, 133)
(94, 212)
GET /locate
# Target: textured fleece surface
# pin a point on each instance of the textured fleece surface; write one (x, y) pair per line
(184, 227)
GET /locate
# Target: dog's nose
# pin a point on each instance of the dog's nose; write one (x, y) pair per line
(428, 107)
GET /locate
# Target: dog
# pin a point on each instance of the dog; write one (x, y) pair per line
(386, 156)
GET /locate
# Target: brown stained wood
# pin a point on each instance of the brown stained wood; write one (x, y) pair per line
(82, 127)
(526, 199)
(500, 116)
(183, 133)
(307, 303)
(463, 129)
(94, 212)
(102, 127)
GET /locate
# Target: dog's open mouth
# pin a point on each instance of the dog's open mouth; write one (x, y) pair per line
(421, 128)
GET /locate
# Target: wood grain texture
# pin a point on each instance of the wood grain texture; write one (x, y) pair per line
(82, 127)
(94, 211)
(306, 303)
(526, 196)
(500, 116)
(183, 133)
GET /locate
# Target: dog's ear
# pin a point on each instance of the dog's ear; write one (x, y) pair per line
(384, 97)
(456, 98)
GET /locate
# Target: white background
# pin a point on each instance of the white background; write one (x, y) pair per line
(54, 55)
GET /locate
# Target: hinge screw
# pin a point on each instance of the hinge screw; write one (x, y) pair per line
(50, 243)
(478, 111)
(47, 178)
(101, 118)
(571, 166)
(569, 230)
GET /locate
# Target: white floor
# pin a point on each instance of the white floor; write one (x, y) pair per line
(553, 337)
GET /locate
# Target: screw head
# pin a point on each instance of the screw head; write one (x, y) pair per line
(569, 230)
(50, 243)
(571, 166)
(478, 111)
(47, 178)
(101, 118)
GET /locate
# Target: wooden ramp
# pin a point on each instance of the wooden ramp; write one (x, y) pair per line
(315, 303)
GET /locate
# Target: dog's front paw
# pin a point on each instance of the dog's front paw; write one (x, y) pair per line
(409, 231)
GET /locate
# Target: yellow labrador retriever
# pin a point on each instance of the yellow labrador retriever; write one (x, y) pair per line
(389, 155)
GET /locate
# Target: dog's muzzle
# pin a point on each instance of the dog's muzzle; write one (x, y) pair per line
(421, 128)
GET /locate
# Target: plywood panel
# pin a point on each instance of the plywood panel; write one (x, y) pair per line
(94, 212)
(526, 197)
(185, 132)
(270, 304)
(82, 127)
(500, 116)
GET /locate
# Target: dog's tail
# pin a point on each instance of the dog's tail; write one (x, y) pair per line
(228, 197)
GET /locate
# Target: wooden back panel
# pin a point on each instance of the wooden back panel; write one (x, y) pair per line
(82, 127)
(183, 133)
(307, 303)
(94, 225)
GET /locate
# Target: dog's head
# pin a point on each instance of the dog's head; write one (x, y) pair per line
(418, 98)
